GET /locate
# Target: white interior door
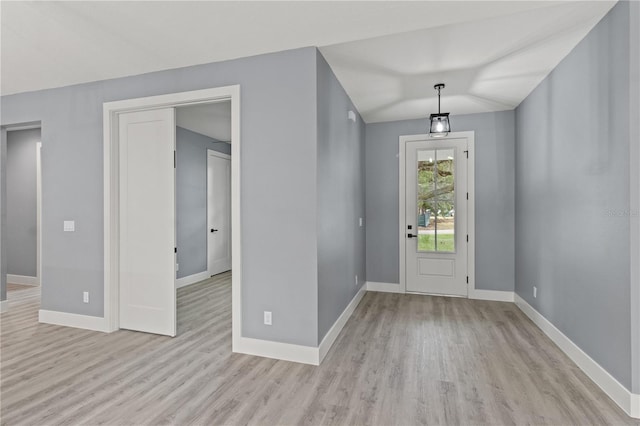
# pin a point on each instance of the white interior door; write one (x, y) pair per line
(436, 216)
(147, 221)
(218, 212)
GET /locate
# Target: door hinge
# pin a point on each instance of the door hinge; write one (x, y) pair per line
(467, 237)
(467, 279)
(174, 159)
(175, 249)
(467, 195)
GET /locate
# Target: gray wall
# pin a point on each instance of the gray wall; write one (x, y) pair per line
(572, 186)
(278, 129)
(341, 240)
(22, 201)
(3, 214)
(494, 189)
(191, 198)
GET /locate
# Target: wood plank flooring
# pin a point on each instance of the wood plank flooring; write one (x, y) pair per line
(401, 359)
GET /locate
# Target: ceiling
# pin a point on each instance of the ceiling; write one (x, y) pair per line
(213, 120)
(488, 64)
(387, 54)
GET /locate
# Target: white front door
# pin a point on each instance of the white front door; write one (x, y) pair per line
(218, 212)
(147, 221)
(436, 216)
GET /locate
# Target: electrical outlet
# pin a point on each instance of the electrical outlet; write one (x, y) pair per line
(535, 292)
(85, 296)
(267, 318)
(356, 281)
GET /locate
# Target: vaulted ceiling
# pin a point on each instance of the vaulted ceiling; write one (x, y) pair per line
(388, 55)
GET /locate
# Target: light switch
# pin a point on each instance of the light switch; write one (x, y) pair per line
(69, 226)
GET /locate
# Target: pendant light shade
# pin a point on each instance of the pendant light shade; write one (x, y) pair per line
(440, 125)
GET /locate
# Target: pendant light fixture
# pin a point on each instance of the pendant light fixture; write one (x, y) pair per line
(439, 122)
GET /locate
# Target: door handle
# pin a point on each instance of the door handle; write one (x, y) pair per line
(214, 230)
(412, 236)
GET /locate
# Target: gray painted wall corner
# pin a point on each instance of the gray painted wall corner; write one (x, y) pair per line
(340, 198)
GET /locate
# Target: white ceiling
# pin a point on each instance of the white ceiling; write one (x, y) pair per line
(213, 120)
(488, 64)
(491, 54)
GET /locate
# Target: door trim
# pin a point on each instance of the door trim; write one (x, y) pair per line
(39, 211)
(471, 254)
(111, 195)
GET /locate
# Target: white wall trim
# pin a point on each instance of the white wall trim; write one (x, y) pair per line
(4, 306)
(192, 279)
(342, 320)
(39, 210)
(635, 406)
(629, 402)
(73, 320)
(277, 350)
(384, 287)
(495, 295)
(111, 196)
(402, 214)
(22, 279)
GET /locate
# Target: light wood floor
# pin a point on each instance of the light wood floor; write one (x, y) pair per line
(401, 359)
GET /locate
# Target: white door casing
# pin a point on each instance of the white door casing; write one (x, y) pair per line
(218, 212)
(435, 257)
(147, 221)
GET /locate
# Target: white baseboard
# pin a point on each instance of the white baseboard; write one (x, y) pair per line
(384, 287)
(277, 350)
(635, 406)
(192, 279)
(628, 401)
(495, 295)
(4, 306)
(73, 320)
(337, 327)
(22, 279)
(298, 353)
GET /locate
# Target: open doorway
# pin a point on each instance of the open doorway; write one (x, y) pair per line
(203, 191)
(141, 248)
(23, 212)
(203, 209)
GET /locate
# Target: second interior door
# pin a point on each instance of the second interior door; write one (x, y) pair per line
(218, 212)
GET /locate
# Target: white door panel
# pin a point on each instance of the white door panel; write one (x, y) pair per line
(219, 213)
(436, 216)
(147, 221)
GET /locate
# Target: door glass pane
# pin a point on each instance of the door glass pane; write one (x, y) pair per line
(436, 200)
(426, 199)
